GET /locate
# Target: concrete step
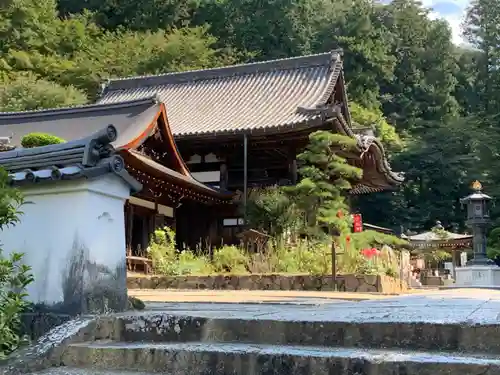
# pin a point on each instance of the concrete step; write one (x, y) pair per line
(83, 371)
(162, 327)
(197, 358)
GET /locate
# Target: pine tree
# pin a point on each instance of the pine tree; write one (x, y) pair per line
(325, 178)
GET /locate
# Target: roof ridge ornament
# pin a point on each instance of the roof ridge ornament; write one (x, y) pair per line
(439, 225)
(103, 87)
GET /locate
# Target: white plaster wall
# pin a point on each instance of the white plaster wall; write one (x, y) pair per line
(207, 176)
(162, 210)
(91, 211)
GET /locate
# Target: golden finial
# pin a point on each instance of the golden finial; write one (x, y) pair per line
(476, 185)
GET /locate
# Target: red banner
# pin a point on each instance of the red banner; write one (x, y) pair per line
(357, 223)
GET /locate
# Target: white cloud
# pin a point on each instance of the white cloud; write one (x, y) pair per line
(455, 19)
(455, 22)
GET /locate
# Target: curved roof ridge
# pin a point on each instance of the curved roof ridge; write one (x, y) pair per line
(366, 141)
(320, 59)
(79, 108)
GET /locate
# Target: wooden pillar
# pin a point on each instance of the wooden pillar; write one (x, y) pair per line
(293, 170)
(151, 223)
(223, 177)
(159, 220)
(145, 233)
(245, 176)
(129, 217)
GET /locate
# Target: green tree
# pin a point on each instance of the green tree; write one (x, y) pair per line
(482, 29)
(145, 53)
(75, 52)
(366, 42)
(271, 211)
(467, 89)
(27, 92)
(375, 120)
(27, 24)
(424, 84)
(325, 178)
(269, 29)
(439, 166)
(138, 16)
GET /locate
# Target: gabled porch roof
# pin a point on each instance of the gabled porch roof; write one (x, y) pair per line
(134, 121)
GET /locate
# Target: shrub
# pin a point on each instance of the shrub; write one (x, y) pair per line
(14, 277)
(230, 259)
(162, 251)
(303, 256)
(135, 303)
(40, 139)
(190, 264)
(271, 211)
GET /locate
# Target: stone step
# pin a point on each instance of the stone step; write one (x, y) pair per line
(162, 327)
(83, 371)
(198, 358)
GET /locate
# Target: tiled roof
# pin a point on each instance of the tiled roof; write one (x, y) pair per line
(263, 96)
(89, 157)
(443, 236)
(249, 97)
(74, 123)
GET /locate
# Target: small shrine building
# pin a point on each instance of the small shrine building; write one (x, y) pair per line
(440, 239)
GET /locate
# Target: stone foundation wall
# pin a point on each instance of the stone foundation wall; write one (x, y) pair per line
(345, 283)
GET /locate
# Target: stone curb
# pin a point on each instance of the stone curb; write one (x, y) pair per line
(164, 327)
(345, 283)
(249, 359)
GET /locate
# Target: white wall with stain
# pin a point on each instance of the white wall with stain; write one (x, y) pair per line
(88, 211)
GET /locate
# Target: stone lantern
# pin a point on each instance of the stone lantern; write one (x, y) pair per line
(478, 219)
(479, 272)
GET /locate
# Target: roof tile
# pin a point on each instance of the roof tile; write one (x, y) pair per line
(237, 98)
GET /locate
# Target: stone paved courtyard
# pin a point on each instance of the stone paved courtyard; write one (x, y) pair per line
(480, 306)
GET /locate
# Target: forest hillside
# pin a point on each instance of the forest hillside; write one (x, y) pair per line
(434, 105)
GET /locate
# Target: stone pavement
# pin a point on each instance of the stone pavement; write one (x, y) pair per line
(454, 306)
